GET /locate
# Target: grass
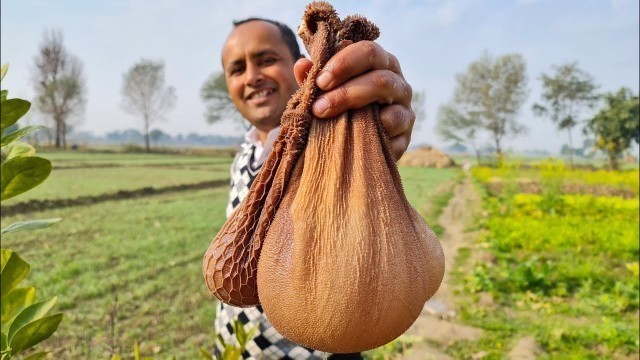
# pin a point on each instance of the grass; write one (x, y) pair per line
(144, 252)
(429, 190)
(67, 159)
(129, 173)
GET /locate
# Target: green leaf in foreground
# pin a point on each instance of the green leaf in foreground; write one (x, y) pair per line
(30, 314)
(3, 71)
(34, 332)
(3, 95)
(12, 110)
(13, 272)
(37, 356)
(6, 254)
(3, 342)
(14, 302)
(22, 174)
(18, 149)
(20, 134)
(206, 354)
(30, 225)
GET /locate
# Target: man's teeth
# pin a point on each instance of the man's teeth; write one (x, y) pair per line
(261, 94)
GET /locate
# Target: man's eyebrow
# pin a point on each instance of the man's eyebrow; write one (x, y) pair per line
(262, 53)
(256, 55)
(236, 63)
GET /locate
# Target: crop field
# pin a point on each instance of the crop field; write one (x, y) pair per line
(557, 263)
(89, 175)
(128, 269)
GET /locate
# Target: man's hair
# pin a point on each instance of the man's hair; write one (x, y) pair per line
(287, 35)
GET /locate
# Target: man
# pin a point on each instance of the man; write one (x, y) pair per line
(263, 67)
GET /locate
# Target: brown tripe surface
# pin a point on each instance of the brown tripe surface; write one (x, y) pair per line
(341, 260)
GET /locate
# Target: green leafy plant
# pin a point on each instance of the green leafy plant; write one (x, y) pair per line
(136, 354)
(232, 351)
(572, 258)
(25, 323)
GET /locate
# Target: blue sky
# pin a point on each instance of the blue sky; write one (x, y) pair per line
(434, 40)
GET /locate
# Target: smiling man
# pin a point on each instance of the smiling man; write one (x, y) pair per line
(263, 68)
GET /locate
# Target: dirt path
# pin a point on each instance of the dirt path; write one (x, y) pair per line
(437, 324)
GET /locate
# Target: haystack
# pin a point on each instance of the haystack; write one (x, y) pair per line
(426, 156)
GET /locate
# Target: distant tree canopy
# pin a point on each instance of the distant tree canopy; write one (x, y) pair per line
(453, 126)
(157, 135)
(488, 97)
(565, 95)
(617, 124)
(145, 94)
(59, 84)
(418, 103)
(215, 95)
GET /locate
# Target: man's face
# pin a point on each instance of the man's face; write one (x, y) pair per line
(258, 68)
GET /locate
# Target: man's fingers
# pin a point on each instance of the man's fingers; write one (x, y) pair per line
(398, 123)
(397, 120)
(301, 68)
(354, 60)
(381, 86)
(399, 145)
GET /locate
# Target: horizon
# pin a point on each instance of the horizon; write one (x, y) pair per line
(109, 37)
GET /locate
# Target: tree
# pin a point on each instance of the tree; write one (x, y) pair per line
(490, 95)
(157, 135)
(617, 124)
(215, 95)
(418, 103)
(144, 93)
(59, 84)
(453, 126)
(566, 94)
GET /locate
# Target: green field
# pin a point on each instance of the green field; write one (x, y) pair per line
(143, 254)
(79, 174)
(559, 267)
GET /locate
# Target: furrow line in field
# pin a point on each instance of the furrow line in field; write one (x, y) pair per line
(40, 205)
(134, 293)
(160, 165)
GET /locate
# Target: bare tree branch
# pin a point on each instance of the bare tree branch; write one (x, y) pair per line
(59, 84)
(144, 93)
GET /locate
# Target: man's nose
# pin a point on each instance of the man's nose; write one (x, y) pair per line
(253, 76)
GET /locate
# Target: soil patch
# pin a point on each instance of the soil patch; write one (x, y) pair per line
(525, 349)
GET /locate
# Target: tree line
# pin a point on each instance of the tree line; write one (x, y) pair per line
(486, 101)
(490, 93)
(60, 88)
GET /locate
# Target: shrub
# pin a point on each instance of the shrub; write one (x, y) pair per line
(25, 323)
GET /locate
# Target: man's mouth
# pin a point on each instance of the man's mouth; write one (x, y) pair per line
(260, 94)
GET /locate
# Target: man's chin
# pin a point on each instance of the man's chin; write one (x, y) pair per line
(267, 121)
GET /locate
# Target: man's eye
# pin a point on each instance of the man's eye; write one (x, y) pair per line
(235, 71)
(268, 61)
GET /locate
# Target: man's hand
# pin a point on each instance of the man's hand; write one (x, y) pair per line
(361, 74)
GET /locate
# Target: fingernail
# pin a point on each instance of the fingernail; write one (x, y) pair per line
(324, 79)
(320, 106)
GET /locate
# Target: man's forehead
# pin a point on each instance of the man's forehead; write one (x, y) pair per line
(253, 38)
